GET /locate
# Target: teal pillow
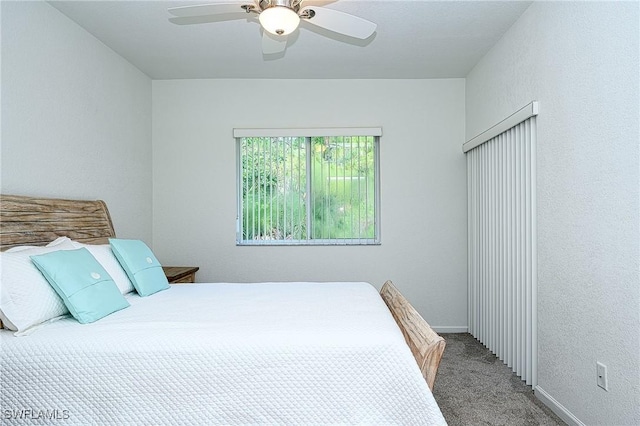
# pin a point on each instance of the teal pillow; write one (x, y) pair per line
(141, 266)
(82, 283)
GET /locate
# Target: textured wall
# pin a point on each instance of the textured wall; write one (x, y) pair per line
(423, 186)
(76, 117)
(580, 60)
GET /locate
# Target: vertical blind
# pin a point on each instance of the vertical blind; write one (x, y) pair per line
(502, 246)
(307, 190)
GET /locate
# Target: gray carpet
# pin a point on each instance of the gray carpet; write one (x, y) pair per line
(473, 387)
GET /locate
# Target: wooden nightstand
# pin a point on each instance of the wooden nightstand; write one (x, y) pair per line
(180, 274)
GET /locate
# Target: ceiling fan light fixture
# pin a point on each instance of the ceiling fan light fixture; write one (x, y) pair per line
(279, 20)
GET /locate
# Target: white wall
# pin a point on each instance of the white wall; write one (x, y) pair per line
(580, 60)
(422, 191)
(76, 117)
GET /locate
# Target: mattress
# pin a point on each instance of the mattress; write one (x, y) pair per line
(263, 353)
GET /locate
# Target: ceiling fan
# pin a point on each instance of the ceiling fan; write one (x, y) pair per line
(278, 19)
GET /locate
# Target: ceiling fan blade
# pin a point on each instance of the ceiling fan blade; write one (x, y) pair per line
(207, 9)
(272, 44)
(339, 22)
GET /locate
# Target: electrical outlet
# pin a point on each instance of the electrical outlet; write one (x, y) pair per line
(602, 376)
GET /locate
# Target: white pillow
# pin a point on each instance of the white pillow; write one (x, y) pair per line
(59, 241)
(105, 257)
(26, 298)
(20, 248)
(53, 243)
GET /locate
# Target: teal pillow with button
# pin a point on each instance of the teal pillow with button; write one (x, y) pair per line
(141, 266)
(84, 286)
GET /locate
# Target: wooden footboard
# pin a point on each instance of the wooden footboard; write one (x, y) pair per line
(425, 344)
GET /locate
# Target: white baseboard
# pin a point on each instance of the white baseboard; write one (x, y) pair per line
(450, 329)
(560, 410)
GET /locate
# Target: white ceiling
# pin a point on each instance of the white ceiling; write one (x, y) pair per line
(414, 39)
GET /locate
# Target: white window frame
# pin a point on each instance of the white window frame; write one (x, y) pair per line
(308, 133)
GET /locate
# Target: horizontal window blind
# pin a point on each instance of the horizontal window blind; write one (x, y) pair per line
(308, 132)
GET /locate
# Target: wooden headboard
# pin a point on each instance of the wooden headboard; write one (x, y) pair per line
(38, 221)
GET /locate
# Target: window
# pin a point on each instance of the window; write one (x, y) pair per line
(314, 189)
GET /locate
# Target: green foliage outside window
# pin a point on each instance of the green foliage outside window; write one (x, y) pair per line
(339, 191)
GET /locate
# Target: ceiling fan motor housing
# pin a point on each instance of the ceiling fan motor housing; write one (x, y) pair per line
(289, 4)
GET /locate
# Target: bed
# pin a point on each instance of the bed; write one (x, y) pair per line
(215, 353)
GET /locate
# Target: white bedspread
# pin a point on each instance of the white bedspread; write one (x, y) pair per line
(267, 353)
